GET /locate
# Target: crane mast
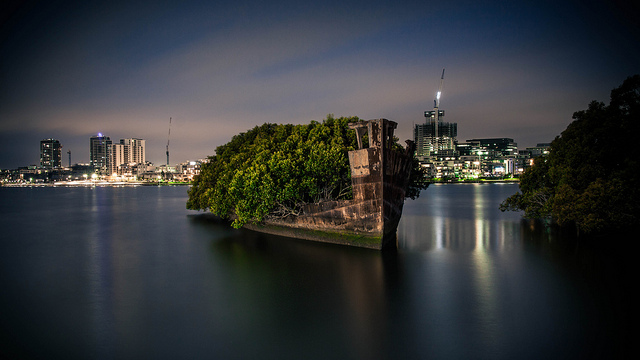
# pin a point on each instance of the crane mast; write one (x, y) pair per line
(437, 100)
(436, 105)
(168, 137)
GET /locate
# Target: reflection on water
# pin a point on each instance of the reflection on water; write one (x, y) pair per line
(129, 273)
(306, 294)
(461, 217)
(490, 277)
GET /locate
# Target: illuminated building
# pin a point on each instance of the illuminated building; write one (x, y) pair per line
(128, 152)
(492, 155)
(491, 148)
(430, 140)
(435, 138)
(134, 150)
(50, 153)
(99, 151)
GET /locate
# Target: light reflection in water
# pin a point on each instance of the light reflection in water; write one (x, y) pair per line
(148, 279)
(459, 223)
(484, 275)
(100, 272)
(460, 217)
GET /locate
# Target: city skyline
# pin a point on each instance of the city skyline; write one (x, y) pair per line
(69, 70)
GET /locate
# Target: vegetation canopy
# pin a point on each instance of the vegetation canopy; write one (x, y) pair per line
(273, 170)
(590, 176)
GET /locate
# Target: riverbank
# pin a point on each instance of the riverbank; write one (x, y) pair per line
(92, 183)
(475, 181)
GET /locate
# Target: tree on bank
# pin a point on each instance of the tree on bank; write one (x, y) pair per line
(590, 177)
(273, 170)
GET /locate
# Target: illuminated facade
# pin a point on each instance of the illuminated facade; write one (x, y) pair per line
(99, 152)
(50, 153)
(116, 157)
(431, 140)
(134, 151)
(427, 143)
(123, 156)
(490, 157)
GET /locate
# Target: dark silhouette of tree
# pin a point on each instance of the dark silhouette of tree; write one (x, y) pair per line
(590, 176)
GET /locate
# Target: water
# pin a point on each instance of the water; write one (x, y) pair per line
(128, 273)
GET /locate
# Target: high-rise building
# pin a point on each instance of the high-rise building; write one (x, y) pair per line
(117, 157)
(99, 152)
(50, 153)
(135, 150)
(435, 137)
(127, 152)
(431, 140)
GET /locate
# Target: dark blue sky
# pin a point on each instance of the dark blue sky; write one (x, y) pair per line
(515, 69)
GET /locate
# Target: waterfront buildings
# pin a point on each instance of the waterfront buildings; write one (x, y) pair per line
(134, 150)
(483, 158)
(187, 170)
(439, 152)
(99, 152)
(434, 137)
(121, 161)
(126, 155)
(492, 147)
(50, 154)
(108, 158)
(493, 156)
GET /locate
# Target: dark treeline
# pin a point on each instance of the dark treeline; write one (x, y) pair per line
(590, 177)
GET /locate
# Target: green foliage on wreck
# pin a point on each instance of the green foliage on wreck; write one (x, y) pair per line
(273, 170)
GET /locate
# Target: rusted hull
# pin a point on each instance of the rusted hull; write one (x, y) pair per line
(379, 179)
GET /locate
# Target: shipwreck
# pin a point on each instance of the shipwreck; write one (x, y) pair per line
(379, 177)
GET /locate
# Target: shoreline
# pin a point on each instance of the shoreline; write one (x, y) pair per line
(482, 181)
(90, 183)
(145, 183)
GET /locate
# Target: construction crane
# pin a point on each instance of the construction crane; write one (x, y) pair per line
(436, 105)
(168, 137)
(436, 102)
(69, 152)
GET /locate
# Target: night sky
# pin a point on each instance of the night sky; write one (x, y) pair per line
(516, 69)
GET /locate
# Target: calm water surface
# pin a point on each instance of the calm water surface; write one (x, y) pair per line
(128, 273)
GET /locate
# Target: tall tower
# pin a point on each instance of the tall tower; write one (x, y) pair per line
(50, 153)
(435, 137)
(99, 151)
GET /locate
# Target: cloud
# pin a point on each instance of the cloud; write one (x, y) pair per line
(221, 69)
